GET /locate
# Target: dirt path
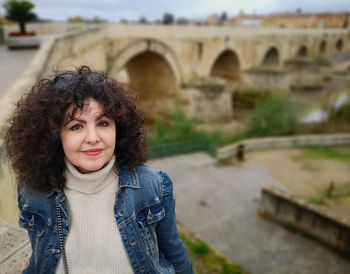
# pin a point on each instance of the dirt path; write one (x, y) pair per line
(307, 177)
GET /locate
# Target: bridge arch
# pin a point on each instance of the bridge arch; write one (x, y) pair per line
(302, 52)
(147, 46)
(149, 67)
(226, 65)
(271, 57)
(339, 45)
(323, 48)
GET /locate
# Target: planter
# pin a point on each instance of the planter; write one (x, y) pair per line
(20, 40)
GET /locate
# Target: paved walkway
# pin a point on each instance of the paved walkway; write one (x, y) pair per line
(14, 248)
(220, 205)
(12, 64)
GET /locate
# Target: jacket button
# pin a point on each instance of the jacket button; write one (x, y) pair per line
(55, 251)
(121, 212)
(142, 268)
(31, 222)
(132, 241)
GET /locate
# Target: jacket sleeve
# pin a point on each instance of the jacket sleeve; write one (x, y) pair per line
(20, 202)
(168, 237)
(20, 199)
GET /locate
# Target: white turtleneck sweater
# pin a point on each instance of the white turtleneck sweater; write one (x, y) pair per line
(94, 244)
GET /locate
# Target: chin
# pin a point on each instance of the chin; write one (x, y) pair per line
(89, 169)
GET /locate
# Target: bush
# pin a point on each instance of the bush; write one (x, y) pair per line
(273, 117)
(341, 115)
(248, 99)
(180, 135)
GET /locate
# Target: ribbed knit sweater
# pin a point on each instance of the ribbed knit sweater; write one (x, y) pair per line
(94, 244)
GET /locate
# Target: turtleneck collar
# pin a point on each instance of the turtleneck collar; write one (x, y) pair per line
(90, 182)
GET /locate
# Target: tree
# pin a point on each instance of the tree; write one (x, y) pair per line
(223, 17)
(20, 11)
(143, 20)
(168, 18)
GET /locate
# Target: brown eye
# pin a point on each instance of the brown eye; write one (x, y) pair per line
(75, 127)
(103, 123)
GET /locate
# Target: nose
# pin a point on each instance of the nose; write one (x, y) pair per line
(92, 136)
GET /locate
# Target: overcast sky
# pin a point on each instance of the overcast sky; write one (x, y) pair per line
(114, 10)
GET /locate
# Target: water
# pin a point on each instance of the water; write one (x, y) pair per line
(321, 114)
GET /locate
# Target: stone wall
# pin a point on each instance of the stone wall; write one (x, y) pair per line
(316, 221)
(209, 100)
(285, 142)
(74, 49)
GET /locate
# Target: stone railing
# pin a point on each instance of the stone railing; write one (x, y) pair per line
(313, 220)
(285, 142)
(50, 28)
(86, 47)
(57, 52)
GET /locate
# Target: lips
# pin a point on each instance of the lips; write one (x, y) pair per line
(93, 152)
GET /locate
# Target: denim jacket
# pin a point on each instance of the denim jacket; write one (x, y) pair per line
(145, 214)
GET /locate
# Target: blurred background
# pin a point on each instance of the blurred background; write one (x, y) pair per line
(246, 105)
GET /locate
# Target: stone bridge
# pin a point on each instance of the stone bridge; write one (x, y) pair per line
(191, 51)
(167, 62)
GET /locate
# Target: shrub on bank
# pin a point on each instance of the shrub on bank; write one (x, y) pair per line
(275, 116)
(180, 135)
(340, 115)
(248, 99)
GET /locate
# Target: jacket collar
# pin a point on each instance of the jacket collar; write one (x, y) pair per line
(128, 178)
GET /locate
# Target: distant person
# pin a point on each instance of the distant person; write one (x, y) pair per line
(77, 145)
(240, 152)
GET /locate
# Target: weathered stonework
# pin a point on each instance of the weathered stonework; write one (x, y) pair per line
(316, 221)
(210, 99)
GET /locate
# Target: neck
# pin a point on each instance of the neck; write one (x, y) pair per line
(90, 182)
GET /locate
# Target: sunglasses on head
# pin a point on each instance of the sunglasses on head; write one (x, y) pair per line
(68, 79)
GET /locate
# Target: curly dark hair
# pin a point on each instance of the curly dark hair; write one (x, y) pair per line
(31, 134)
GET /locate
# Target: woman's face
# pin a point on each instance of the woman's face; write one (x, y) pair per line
(88, 139)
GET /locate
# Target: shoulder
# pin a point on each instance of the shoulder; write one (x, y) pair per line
(145, 171)
(32, 199)
(146, 178)
(150, 176)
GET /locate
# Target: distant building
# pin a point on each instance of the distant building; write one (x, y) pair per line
(296, 20)
(247, 21)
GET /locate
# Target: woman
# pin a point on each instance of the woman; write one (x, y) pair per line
(77, 145)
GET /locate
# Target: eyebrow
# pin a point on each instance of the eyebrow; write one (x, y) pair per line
(83, 121)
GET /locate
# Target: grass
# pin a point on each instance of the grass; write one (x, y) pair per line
(317, 201)
(231, 139)
(330, 193)
(205, 259)
(333, 191)
(328, 153)
(180, 134)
